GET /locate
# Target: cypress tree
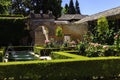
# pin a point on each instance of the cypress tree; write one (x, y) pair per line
(77, 7)
(71, 9)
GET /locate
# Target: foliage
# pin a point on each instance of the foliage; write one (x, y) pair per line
(62, 69)
(110, 52)
(71, 9)
(66, 8)
(13, 31)
(88, 37)
(21, 6)
(60, 55)
(1, 54)
(81, 48)
(25, 6)
(59, 32)
(44, 51)
(90, 49)
(77, 7)
(4, 6)
(12, 15)
(102, 26)
(117, 40)
(93, 50)
(103, 34)
(63, 11)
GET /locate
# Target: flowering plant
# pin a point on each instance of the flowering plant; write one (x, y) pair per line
(93, 49)
(117, 40)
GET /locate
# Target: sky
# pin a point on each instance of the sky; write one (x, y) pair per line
(89, 7)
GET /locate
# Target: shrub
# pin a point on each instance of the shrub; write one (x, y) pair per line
(66, 69)
(81, 48)
(117, 40)
(103, 34)
(1, 56)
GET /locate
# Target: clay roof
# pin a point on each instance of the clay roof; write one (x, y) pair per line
(71, 17)
(107, 13)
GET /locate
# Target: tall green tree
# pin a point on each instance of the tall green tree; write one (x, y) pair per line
(55, 7)
(21, 6)
(102, 26)
(71, 8)
(24, 6)
(77, 7)
(104, 34)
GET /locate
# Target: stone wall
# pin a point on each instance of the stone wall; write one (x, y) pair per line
(75, 31)
(38, 38)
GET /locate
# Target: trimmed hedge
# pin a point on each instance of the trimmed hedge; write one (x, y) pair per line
(13, 15)
(60, 69)
(12, 30)
(44, 51)
(2, 49)
(1, 55)
(22, 48)
(77, 67)
(66, 55)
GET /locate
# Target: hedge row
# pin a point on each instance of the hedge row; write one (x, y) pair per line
(1, 55)
(66, 55)
(2, 50)
(62, 69)
(44, 51)
(12, 30)
(13, 15)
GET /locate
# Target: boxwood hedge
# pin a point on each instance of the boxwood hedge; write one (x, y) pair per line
(75, 67)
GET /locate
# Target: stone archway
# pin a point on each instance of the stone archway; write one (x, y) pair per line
(36, 30)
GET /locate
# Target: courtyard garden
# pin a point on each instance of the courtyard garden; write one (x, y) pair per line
(33, 44)
(96, 57)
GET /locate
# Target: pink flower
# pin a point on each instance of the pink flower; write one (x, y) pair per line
(47, 41)
(92, 44)
(116, 36)
(105, 47)
(73, 42)
(95, 44)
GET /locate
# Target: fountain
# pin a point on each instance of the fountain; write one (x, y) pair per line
(45, 33)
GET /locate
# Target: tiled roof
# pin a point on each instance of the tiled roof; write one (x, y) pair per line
(107, 13)
(71, 17)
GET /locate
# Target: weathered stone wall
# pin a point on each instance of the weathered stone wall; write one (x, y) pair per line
(75, 31)
(38, 38)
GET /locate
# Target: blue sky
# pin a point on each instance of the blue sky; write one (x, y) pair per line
(90, 7)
